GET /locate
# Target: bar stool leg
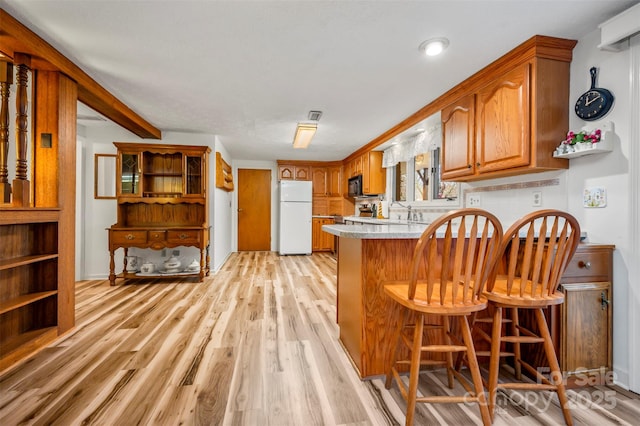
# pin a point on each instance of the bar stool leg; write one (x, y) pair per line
(414, 373)
(556, 374)
(494, 359)
(446, 328)
(475, 370)
(515, 324)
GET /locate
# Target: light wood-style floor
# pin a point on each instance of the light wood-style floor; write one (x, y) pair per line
(256, 344)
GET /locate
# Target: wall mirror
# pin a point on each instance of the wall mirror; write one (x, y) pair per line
(104, 182)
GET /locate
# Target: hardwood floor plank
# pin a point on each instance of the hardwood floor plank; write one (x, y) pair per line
(255, 344)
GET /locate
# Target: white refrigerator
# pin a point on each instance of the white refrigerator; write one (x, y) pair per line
(295, 217)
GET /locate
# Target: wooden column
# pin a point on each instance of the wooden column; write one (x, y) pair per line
(6, 79)
(54, 173)
(21, 185)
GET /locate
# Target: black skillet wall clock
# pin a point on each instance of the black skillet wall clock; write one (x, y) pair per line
(594, 103)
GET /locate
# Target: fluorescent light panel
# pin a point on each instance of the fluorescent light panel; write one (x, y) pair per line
(304, 134)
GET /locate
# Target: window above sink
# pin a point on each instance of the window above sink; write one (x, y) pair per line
(413, 162)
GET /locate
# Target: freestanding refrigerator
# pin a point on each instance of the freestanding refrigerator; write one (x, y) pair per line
(295, 217)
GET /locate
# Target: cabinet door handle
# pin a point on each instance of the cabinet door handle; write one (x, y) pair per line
(183, 236)
(585, 265)
(129, 237)
(468, 166)
(604, 302)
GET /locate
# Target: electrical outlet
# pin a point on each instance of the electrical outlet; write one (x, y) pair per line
(164, 253)
(536, 201)
(474, 200)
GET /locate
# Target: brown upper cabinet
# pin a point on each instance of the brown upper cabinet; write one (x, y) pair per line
(293, 172)
(334, 181)
(327, 181)
(513, 117)
(319, 180)
(374, 176)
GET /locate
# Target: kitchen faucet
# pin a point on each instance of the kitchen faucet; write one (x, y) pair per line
(408, 207)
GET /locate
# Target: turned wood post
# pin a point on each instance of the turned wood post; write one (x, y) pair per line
(6, 79)
(21, 185)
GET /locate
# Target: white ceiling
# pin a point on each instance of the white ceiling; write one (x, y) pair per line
(248, 71)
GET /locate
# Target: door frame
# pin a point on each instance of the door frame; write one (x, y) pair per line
(258, 165)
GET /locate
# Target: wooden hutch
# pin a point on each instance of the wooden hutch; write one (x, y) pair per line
(162, 202)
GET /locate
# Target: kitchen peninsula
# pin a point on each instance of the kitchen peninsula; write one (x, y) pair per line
(368, 255)
(379, 250)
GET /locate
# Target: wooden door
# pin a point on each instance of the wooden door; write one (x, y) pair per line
(302, 173)
(334, 184)
(586, 326)
(254, 210)
(319, 180)
(286, 172)
(458, 138)
(503, 122)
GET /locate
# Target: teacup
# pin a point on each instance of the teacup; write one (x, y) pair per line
(148, 268)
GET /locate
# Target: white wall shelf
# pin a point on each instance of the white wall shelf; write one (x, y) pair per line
(604, 145)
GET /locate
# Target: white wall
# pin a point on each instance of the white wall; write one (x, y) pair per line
(221, 214)
(612, 223)
(101, 214)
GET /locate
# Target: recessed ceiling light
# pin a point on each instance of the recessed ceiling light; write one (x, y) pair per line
(434, 46)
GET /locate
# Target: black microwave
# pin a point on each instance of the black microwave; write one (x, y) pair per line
(355, 186)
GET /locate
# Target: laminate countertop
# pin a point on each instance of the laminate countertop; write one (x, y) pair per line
(381, 231)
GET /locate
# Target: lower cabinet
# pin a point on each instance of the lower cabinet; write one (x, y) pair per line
(586, 317)
(581, 327)
(321, 241)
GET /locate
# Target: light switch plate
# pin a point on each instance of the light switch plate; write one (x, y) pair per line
(594, 197)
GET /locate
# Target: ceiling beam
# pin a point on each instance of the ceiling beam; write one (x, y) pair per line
(16, 38)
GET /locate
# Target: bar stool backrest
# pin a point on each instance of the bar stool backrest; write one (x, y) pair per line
(454, 258)
(536, 251)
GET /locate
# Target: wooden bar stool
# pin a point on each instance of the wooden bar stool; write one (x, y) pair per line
(451, 263)
(535, 251)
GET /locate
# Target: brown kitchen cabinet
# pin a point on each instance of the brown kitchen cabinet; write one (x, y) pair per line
(512, 115)
(458, 126)
(294, 172)
(374, 176)
(582, 327)
(319, 181)
(334, 181)
(327, 181)
(321, 241)
(586, 317)
(161, 201)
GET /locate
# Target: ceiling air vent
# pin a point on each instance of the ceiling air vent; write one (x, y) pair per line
(315, 115)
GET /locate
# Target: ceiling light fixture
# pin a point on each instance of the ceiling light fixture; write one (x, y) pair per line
(304, 133)
(434, 46)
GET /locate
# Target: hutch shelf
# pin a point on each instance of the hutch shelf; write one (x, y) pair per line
(162, 202)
